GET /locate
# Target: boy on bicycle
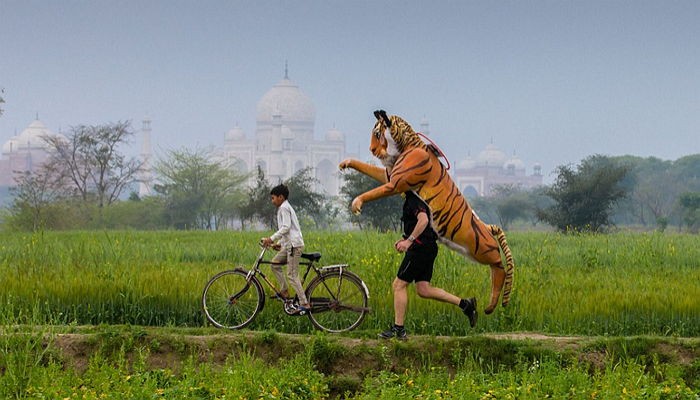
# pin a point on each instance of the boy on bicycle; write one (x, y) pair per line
(291, 242)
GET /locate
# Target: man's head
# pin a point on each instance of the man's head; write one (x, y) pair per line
(279, 194)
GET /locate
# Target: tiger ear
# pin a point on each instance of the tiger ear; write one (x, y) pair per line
(377, 115)
(386, 119)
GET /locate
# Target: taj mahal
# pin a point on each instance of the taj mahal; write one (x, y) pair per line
(284, 141)
(25, 152)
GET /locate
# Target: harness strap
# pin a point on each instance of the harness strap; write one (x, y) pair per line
(435, 149)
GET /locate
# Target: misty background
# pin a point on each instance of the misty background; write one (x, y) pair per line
(549, 81)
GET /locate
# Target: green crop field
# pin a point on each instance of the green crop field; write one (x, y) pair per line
(618, 284)
(117, 315)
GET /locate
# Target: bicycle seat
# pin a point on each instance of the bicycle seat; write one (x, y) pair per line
(311, 256)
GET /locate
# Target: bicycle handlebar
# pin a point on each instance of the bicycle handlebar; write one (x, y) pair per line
(274, 246)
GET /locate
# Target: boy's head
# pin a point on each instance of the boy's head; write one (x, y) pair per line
(279, 194)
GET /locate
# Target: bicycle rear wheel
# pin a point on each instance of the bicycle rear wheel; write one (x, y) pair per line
(230, 301)
(338, 301)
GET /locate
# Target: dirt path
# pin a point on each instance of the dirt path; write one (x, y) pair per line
(339, 355)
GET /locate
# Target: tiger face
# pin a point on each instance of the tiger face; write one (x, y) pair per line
(383, 146)
(392, 135)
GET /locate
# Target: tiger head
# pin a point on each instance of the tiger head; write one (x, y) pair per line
(391, 136)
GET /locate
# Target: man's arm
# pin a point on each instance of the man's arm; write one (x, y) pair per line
(403, 245)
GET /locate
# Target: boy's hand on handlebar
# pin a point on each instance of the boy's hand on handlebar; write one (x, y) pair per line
(267, 242)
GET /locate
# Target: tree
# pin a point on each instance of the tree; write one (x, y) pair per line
(584, 197)
(690, 206)
(197, 188)
(307, 202)
(687, 170)
(654, 190)
(511, 203)
(258, 208)
(91, 161)
(34, 193)
(383, 214)
(136, 213)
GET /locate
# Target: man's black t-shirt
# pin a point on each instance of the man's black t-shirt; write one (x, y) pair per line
(413, 206)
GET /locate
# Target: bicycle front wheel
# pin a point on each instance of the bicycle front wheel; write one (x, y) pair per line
(338, 301)
(230, 301)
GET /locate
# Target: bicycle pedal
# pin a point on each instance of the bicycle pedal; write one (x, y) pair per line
(290, 308)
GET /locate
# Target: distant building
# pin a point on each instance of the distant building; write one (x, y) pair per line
(284, 141)
(491, 168)
(145, 176)
(25, 152)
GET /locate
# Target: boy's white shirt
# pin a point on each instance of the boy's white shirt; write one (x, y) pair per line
(288, 231)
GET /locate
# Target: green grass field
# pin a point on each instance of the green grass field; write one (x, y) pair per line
(618, 284)
(127, 305)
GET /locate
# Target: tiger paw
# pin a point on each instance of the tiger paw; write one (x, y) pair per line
(356, 206)
(345, 164)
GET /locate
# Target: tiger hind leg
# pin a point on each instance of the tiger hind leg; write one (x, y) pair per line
(498, 278)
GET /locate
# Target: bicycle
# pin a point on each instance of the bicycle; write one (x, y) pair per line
(339, 298)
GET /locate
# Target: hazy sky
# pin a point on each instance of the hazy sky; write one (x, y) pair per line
(551, 81)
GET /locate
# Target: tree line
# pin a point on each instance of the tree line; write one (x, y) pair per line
(85, 182)
(602, 192)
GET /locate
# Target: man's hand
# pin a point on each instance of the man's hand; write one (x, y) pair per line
(402, 245)
(266, 241)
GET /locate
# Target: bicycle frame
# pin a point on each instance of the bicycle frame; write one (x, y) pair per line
(260, 261)
(310, 265)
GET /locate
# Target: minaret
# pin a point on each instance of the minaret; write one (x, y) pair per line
(276, 168)
(424, 126)
(146, 180)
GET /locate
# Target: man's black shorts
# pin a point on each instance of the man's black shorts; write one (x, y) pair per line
(417, 264)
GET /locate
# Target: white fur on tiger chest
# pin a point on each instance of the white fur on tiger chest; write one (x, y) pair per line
(392, 151)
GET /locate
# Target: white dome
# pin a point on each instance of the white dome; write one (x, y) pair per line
(467, 163)
(31, 138)
(235, 134)
(288, 101)
(491, 157)
(334, 134)
(516, 162)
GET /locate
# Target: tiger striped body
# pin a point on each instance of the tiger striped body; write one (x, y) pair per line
(412, 165)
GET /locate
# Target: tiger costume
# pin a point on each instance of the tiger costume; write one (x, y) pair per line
(410, 164)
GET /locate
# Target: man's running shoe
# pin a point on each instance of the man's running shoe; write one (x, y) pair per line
(469, 310)
(394, 333)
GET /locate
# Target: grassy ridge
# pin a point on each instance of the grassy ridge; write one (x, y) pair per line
(129, 362)
(618, 284)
